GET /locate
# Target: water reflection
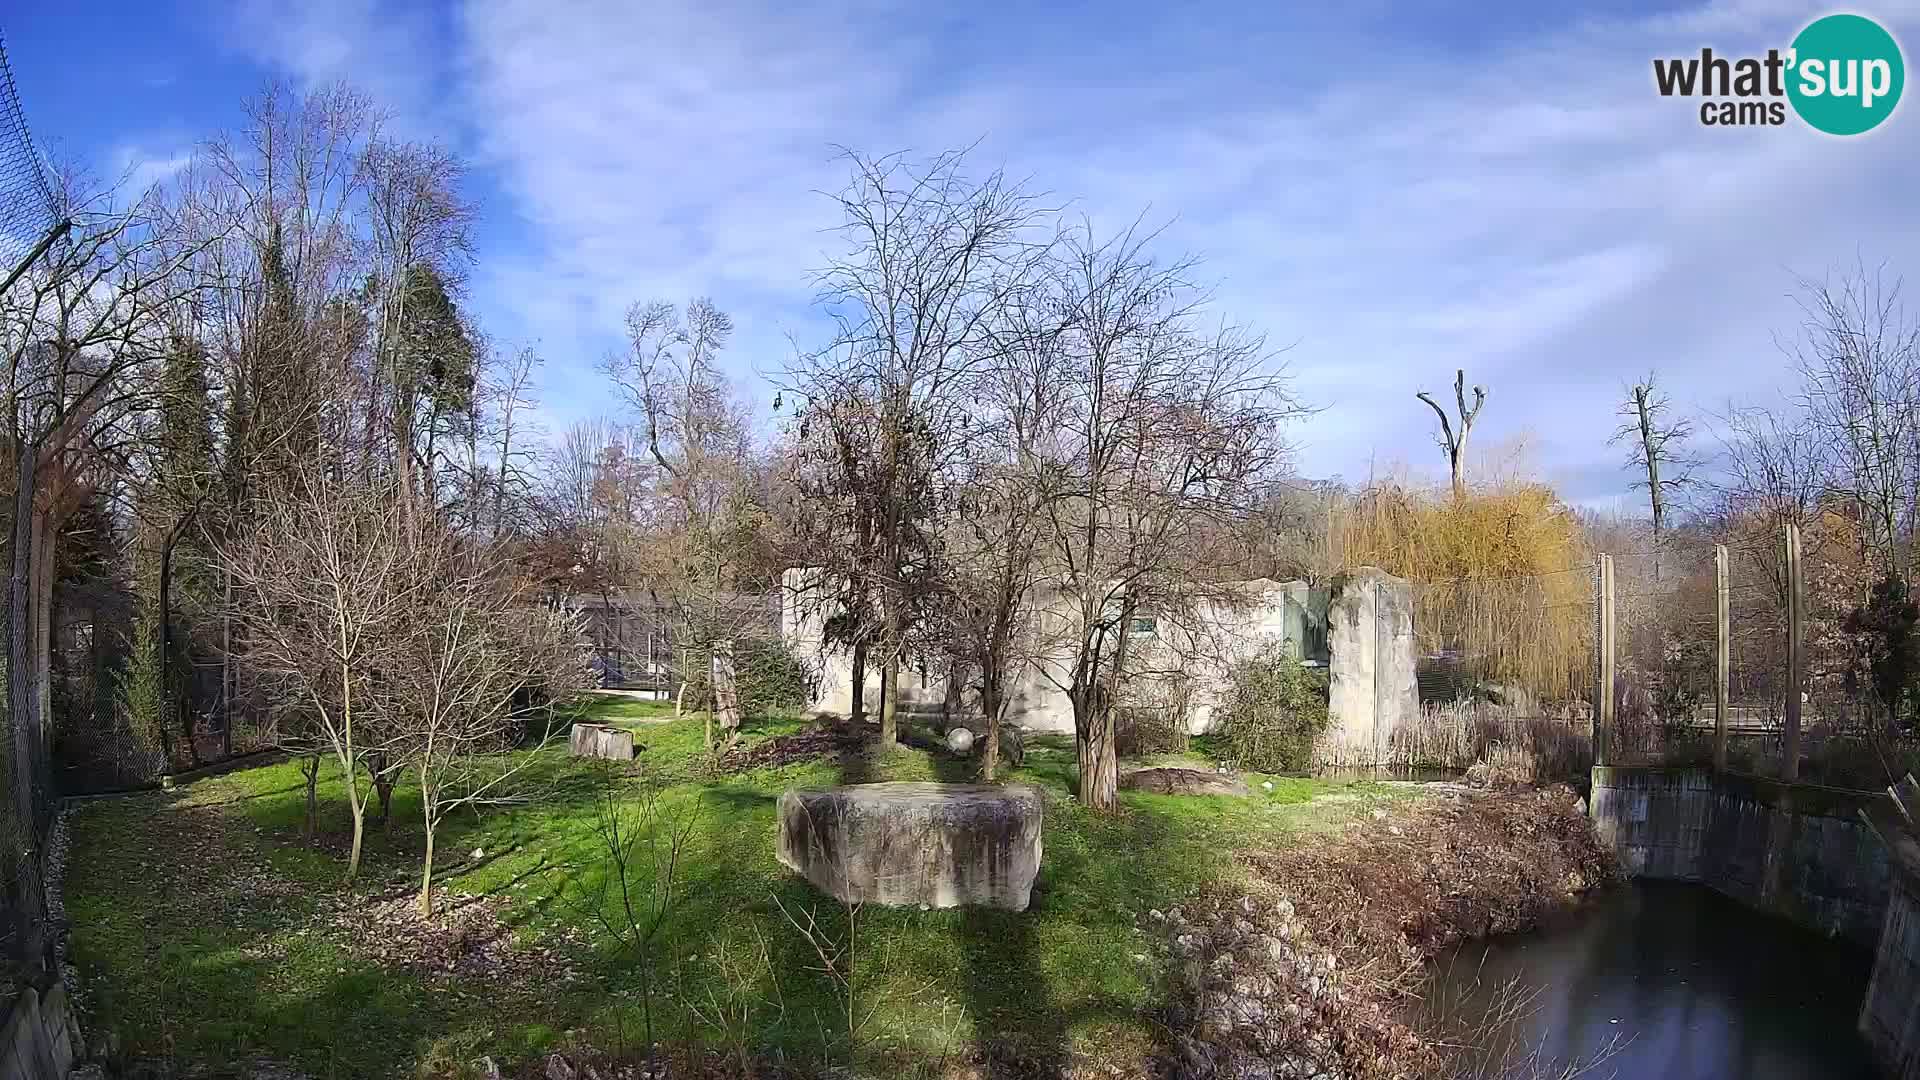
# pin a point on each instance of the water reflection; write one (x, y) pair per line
(1689, 983)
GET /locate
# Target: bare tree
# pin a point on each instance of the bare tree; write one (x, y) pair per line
(1658, 450)
(472, 644)
(933, 255)
(647, 842)
(1454, 445)
(326, 579)
(1160, 427)
(698, 547)
(1858, 353)
(417, 225)
(81, 333)
(989, 545)
(282, 196)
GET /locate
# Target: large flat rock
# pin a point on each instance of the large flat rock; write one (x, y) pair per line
(942, 845)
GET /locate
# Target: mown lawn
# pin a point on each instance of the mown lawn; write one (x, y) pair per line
(206, 932)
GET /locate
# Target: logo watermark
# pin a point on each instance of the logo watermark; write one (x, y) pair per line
(1843, 75)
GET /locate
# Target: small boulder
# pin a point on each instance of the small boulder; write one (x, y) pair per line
(1173, 781)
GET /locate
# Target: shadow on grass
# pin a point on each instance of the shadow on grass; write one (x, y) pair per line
(1002, 966)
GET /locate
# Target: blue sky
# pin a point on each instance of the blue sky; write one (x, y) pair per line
(1393, 190)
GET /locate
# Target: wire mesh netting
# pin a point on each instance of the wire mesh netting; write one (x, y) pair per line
(1665, 654)
(27, 214)
(27, 206)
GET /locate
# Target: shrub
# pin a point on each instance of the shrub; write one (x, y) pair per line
(141, 702)
(1139, 730)
(1154, 719)
(1276, 709)
(768, 673)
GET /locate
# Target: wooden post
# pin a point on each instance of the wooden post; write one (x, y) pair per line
(1723, 634)
(1603, 690)
(1796, 655)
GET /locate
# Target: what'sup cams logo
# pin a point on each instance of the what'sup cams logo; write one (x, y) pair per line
(1843, 75)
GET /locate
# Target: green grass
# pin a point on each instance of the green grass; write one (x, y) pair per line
(199, 918)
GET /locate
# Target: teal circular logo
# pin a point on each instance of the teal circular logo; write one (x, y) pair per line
(1846, 74)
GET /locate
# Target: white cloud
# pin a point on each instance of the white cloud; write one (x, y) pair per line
(1529, 209)
(137, 169)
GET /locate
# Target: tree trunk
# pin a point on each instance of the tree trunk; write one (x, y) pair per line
(857, 706)
(18, 873)
(1099, 767)
(890, 703)
(428, 819)
(993, 703)
(356, 806)
(226, 666)
(45, 552)
(310, 771)
(383, 787)
(950, 700)
(426, 874)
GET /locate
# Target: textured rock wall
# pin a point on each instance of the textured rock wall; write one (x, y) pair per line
(40, 1038)
(1890, 1014)
(1372, 692)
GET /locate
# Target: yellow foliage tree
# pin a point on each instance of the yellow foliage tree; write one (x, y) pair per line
(1503, 581)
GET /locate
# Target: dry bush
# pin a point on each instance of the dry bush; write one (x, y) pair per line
(1139, 730)
(1496, 745)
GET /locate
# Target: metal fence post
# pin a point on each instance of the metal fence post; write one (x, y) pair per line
(1796, 654)
(1723, 633)
(1603, 689)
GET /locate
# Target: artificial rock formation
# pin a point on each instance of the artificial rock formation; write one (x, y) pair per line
(600, 741)
(1372, 690)
(938, 845)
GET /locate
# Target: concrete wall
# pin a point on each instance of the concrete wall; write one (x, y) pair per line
(40, 1037)
(1362, 629)
(1796, 850)
(1890, 1014)
(1192, 651)
(1372, 689)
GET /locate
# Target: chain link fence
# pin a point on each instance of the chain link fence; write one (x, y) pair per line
(28, 216)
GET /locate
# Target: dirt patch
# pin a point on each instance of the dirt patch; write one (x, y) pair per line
(825, 736)
(465, 936)
(1304, 971)
(1166, 780)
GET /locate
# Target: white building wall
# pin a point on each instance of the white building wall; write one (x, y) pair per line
(1219, 634)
